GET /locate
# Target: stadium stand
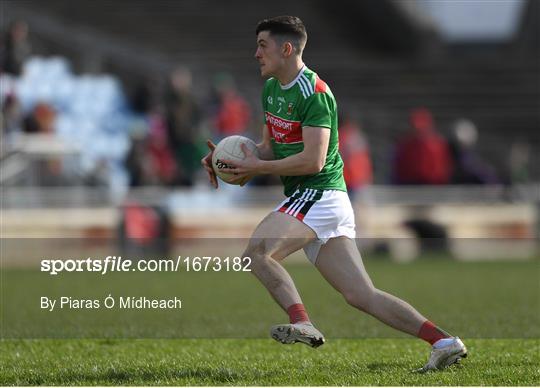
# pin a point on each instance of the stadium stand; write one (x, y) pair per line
(91, 116)
(362, 59)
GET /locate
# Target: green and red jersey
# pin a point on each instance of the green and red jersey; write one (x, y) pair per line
(305, 102)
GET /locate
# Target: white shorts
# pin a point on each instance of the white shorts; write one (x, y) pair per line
(328, 212)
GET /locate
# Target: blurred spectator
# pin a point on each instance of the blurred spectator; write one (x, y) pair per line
(161, 157)
(422, 156)
(354, 150)
(144, 97)
(40, 120)
(16, 47)
(183, 119)
(12, 116)
(150, 160)
(469, 168)
(519, 162)
(232, 112)
(138, 163)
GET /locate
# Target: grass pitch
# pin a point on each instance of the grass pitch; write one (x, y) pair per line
(260, 362)
(493, 307)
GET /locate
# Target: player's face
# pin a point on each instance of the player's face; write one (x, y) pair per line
(268, 54)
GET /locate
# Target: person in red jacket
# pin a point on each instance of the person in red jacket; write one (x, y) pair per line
(422, 155)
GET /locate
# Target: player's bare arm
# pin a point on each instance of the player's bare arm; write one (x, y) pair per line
(310, 161)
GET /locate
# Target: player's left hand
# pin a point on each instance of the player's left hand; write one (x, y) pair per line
(207, 164)
(249, 167)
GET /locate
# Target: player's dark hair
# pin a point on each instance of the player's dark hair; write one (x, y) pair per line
(285, 28)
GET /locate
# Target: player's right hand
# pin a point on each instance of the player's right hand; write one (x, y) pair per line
(207, 164)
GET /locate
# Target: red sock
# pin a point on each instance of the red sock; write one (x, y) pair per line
(431, 333)
(297, 313)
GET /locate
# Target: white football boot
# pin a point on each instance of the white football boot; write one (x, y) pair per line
(445, 352)
(303, 332)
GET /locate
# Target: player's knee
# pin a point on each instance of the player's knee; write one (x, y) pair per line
(256, 251)
(254, 248)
